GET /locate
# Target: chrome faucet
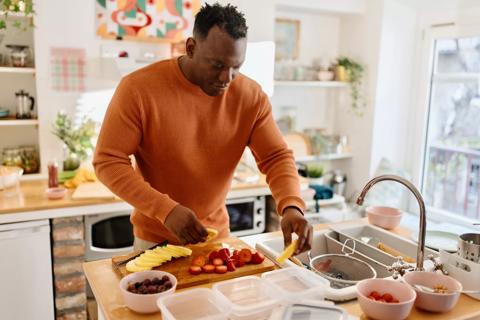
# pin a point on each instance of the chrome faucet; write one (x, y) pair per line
(421, 204)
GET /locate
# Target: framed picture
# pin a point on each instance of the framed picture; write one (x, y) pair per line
(287, 38)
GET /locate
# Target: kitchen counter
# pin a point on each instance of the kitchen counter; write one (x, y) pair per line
(31, 203)
(104, 282)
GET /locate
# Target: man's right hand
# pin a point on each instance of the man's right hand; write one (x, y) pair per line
(183, 223)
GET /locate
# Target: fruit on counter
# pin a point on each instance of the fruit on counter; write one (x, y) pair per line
(208, 268)
(212, 233)
(195, 270)
(199, 261)
(217, 262)
(156, 257)
(224, 254)
(213, 255)
(230, 265)
(245, 255)
(257, 258)
(386, 297)
(221, 269)
(288, 252)
(82, 175)
(152, 286)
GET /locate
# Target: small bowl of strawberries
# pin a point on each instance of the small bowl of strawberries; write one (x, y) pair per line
(223, 260)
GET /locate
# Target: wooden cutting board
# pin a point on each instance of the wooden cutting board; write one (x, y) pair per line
(92, 190)
(179, 267)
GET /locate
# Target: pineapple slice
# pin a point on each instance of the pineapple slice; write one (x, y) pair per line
(132, 267)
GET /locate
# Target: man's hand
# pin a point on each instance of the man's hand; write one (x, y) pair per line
(294, 221)
(183, 223)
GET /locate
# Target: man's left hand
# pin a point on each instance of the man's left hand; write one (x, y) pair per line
(294, 221)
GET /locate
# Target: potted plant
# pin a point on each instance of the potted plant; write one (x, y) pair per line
(315, 174)
(76, 139)
(21, 8)
(353, 73)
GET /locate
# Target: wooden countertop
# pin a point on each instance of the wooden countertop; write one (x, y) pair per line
(32, 197)
(104, 282)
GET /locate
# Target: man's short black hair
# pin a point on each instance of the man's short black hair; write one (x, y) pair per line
(227, 18)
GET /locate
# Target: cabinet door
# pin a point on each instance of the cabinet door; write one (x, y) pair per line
(26, 271)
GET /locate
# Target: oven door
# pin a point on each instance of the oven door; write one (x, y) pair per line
(108, 235)
(247, 215)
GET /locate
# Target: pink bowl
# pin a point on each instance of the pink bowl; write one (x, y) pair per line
(384, 217)
(435, 302)
(56, 193)
(382, 310)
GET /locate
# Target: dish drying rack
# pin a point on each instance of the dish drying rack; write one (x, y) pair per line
(465, 271)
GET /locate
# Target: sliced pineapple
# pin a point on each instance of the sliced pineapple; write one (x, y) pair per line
(157, 259)
(144, 263)
(183, 251)
(158, 255)
(132, 267)
(212, 233)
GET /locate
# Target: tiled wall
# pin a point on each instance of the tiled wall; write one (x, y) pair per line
(69, 280)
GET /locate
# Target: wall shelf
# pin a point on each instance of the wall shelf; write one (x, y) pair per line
(325, 157)
(17, 70)
(18, 122)
(317, 84)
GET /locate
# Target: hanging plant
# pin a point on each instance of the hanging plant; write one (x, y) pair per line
(354, 76)
(19, 8)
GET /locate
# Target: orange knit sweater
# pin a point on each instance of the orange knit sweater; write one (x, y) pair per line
(187, 145)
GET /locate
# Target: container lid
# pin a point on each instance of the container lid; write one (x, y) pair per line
(296, 283)
(200, 303)
(247, 296)
(308, 311)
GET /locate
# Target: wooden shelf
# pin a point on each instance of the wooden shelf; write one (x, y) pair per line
(325, 157)
(18, 122)
(318, 84)
(17, 70)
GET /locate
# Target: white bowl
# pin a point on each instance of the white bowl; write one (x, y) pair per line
(430, 301)
(145, 303)
(9, 176)
(384, 217)
(382, 310)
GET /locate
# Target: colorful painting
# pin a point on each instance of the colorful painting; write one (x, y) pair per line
(146, 20)
(68, 69)
(287, 39)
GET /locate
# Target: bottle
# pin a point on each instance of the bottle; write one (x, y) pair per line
(53, 174)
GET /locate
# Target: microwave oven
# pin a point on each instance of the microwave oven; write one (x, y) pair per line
(247, 215)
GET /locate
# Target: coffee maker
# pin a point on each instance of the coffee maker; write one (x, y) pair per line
(25, 104)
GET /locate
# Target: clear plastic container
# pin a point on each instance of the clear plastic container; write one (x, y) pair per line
(200, 303)
(296, 284)
(249, 297)
(314, 311)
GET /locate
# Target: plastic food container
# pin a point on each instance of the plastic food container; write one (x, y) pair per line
(296, 284)
(200, 303)
(313, 311)
(249, 297)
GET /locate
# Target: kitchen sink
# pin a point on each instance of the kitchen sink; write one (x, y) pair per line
(365, 240)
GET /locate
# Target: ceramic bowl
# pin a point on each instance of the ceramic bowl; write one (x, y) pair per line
(9, 176)
(435, 302)
(145, 303)
(56, 193)
(383, 310)
(384, 217)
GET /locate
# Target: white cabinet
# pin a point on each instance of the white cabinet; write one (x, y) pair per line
(26, 271)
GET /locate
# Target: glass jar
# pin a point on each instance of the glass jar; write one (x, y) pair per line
(30, 159)
(12, 157)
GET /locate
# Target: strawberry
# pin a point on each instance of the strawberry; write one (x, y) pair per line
(208, 268)
(199, 261)
(230, 265)
(195, 270)
(217, 262)
(221, 269)
(224, 254)
(245, 255)
(238, 263)
(213, 255)
(257, 258)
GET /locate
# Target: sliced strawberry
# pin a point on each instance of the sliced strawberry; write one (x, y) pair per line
(230, 265)
(199, 261)
(224, 254)
(238, 263)
(257, 258)
(245, 255)
(217, 262)
(208, 268)
(221, 269)
(195, 270)
(213, 255)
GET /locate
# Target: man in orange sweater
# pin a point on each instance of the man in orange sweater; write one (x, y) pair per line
(187, 122)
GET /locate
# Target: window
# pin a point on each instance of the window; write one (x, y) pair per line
(451, 171)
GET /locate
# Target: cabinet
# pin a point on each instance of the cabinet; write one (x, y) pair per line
(19, 134)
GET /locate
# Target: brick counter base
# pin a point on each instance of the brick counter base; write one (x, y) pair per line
(69, 280)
